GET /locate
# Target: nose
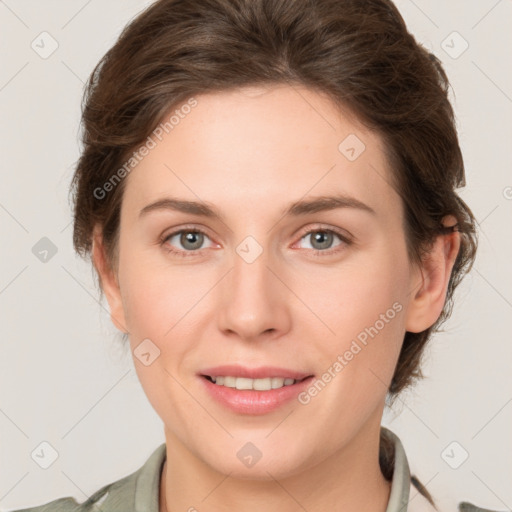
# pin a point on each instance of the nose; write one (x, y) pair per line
(254, 299)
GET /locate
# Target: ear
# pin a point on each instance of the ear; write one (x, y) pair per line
(109, 281)
(430, 282)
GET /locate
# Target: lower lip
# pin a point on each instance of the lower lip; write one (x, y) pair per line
(250, 401)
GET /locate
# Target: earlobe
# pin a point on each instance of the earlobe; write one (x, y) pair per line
(109, 282)
(429, 291)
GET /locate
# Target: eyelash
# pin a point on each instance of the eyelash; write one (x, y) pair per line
(316, 252)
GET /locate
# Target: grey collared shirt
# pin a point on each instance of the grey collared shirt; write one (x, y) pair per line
(140, 490)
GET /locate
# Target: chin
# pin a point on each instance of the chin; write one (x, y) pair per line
(262, 472)
(247, 462)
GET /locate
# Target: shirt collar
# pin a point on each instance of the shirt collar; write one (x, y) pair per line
(401, 482)
(147, 486)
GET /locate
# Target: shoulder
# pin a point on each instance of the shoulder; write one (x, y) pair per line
(70, 504)
(466, 506)
(136, 491)
(419, 502)
(60, 505)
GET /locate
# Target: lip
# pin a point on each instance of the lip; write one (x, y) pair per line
(250, 401)
(261, 372)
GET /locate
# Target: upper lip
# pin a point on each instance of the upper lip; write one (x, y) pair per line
(261, 372)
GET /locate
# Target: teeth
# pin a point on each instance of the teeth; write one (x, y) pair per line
(256, 384)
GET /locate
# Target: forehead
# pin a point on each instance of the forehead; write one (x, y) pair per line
(260, 146)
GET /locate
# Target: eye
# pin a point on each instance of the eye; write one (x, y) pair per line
(191, 240)
(322, 240)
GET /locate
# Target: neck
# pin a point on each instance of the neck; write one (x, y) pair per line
(350, 480)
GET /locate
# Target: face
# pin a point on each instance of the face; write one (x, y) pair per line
(322, 291)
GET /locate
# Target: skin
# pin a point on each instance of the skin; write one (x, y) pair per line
(250, 153)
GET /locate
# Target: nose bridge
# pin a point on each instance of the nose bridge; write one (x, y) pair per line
(250, 269)
(254, 300)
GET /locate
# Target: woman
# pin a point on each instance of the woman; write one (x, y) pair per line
(308, 154)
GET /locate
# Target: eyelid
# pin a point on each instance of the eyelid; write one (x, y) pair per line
(343, 234)
(179, 229)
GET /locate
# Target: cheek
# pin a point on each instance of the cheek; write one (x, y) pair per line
(353, 295)
(364, 304)
(166, 304)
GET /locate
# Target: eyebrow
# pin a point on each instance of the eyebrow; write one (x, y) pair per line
(298, 208)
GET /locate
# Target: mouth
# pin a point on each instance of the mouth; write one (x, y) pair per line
(253, 391)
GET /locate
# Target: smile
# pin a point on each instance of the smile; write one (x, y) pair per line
(248, 396)
(265, 384)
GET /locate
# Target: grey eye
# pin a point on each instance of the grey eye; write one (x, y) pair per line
(321, 239)
(189, 240)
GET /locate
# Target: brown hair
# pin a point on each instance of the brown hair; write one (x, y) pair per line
(358, 52)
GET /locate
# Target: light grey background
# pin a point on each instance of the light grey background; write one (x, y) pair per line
(64, 378)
